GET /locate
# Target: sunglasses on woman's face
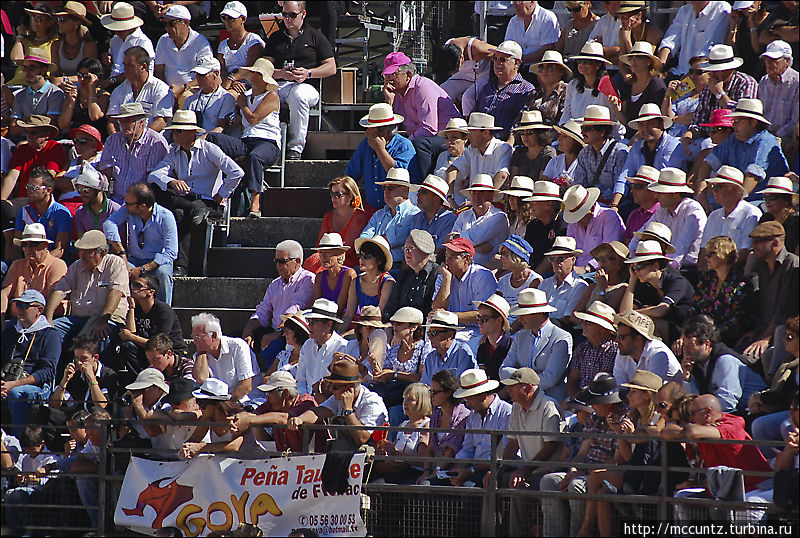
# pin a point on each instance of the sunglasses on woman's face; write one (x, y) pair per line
(365, 255)
(338, 194)
(575, 9)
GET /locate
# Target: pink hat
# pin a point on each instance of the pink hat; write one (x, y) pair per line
(719, 118)
(393, 61)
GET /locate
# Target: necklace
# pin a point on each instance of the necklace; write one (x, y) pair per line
(234, 45)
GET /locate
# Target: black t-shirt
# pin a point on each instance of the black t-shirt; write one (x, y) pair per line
(160, 319)
(308, 50)
(541, 237)
(678, 294)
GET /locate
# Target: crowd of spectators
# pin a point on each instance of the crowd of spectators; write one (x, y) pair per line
(590, 226)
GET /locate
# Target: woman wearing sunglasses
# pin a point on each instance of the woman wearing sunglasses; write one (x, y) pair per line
(347, 218)
(575, 32)
(84, 101)
(242, 48)
(374, 283)
(76, 42)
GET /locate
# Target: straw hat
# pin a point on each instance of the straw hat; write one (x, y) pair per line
(592, 51)
(32, 233)
(632, 5)
(615, 247)
(381, 244)
(599, 313)
(728, 175)
(645, 174)
(438, 186)
(479, 121)
(122, 17)
(532, 301)
(645, 380)
(38, 120)
(370, 316)
(408, 314)
(638, 322)
(332, 242)
(657, 231)
(552, 57)
(750, 108)
(496, 303)
(396, 176)
(344, 371)
(671, 180)
(479, 182)
(780, 185)
(444, 319)
(531, 119)
(75, 9)
(564, 245)
(521, 187)
(650, 111)
(263, 67)
(37, 9)
(578, 201)
(596, 115)
(380, 115)
(647, 251)
(454, 125)
(642, 48)
(130, 110)
(297, 320)
(279, 380)
(571, 129)
(323, 309)
(184, 120)
(39, 55)
(601, 390)
(545, 191)
(474, 381)
(721, 58)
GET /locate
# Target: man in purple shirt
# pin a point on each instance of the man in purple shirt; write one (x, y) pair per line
(646, 200)
(589, 223)
(97, 206)
(425, 106)
(291, 292)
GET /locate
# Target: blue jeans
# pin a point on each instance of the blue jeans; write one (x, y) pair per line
(164, 275)
(20, 400)
(772, 427)
(87, 491)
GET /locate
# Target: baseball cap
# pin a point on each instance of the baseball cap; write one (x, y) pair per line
(522, 375)
(393, 61)
(205, 65)
(461, 244)
(778, 49)
(235, 10)
(176, 11)
(510, 48)
(31, 296)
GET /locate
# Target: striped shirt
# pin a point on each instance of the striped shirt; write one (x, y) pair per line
(589, 160)
(589, 360)
(780, 101)
(740, 86)
(505, 103)
(131, 163)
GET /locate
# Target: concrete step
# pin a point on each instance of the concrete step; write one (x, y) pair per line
(269, 231)
(310, 173)
(296, 202)
(229, 292)
(232, 320)
(332, 145)
(246, 262)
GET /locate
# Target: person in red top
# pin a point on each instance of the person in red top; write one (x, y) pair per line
(283, 402)
(347, 218)
(40, 150)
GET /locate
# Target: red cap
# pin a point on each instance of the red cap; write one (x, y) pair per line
(89, 130)
(460, 244)
(720, 117)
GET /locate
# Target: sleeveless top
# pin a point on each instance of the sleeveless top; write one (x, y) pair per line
(331, 294)
(67, 66)
(371, 300)
(234, 59)
(267, 129)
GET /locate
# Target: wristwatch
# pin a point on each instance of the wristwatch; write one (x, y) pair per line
(347, 412)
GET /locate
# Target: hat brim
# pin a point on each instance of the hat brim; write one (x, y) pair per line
(471, 128)
(544, 198)
(437, 325)
(268, 80)
(634, 124)
(69, 13)
(118, 26)
(269, 388)
(52, 128)
(751, 115)
(462, 130)
(343, 249)
(364, 122)
(141, 385)
(599, 249)
(373, 323)
(591, 318)
(647, 258)
(490, 385)
(394, 182)
(136, 115)
(602, 398)
(479, 188)
(559, 252)
(669, 189)
(185, 128)
(664, 243)
(610, 122)
(626, 58)
(415, 188)
(174, 399)
(314, 315)
(723, 181)
(773, 190)
(575, 136)
(733, 63)
(535, 126)
(19, 240)
(574, 216)
(342, 381)
(590, 58)
(203, 396)
(521, 311)
(389, 261)
(640, 387)
(519, 193)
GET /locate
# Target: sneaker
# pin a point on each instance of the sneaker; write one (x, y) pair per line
(254, 214)
(293, 155)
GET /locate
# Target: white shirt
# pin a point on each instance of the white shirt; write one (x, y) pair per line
(156, 98)
(510, 293)
(491, 227)
(692, 34)
(269, 128)
(234, 59)
(606, 31)
(737, 225)
(496, 159)
(234, 364)
(543, 30)
(314, 360)
(179, 62)
(118, 47)
(201, 171)
(368, 407)
(564, 297)
(557, 167)
(656, 357)
(575, 102)
(687, 224)
(212, 107)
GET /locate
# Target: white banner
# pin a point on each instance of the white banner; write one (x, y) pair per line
(211, 493)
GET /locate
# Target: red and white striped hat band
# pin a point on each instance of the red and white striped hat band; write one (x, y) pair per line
(637, 254)
(731, 179)
(123, 18)
(299, 321)
(577, 207)
(385, 120)
(589, 312)
(781, 187)
(550, 194)
(604, 120)
(531, 305)
(672, 184)
(641, 178)
(499, 310)
(478, 384)
(434, 189)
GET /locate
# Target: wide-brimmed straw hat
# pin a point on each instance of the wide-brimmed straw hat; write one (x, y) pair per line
(750, 108)
(475, 381)
(480, 121)
(37, 9)
(39, 55)
(444, 319)
(545, 191)
(75, 9)
(454, 125)
(532, 301)
(632, 5)
(617, 248)
(344, 371)
(122, 17)
(592, 51)
(599, 313)
(578, 201)
(780, 185)
(657, 231)
(32, 233)
(35, 121)
(645, 174)
(396, 176)
(642, 48)
(323, 309)
(380, 115)
(639, 322)
(531, 119)
(564, 245)
(650, 111)
(596, 115)
(671, 180)
(646, 251)
(434, 184)
(721, 58)
(370, 316)
(263, 67)
(645, 380)
(521, 187)
(601, 390)
(408, 314)
(332, 242)
(382, 244)
(184, 120)
(479, 182)
(728, 175)
(571, 129)
(552, 57)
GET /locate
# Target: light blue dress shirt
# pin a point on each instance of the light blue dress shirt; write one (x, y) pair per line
(395, 228)
(668, 153)
(477, 284)
(458, 359)
(159, 233)
(438, 227)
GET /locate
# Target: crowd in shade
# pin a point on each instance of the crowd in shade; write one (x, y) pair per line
(588, 223)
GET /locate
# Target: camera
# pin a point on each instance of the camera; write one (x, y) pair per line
(126, 399)
(288, 65)
(13, 370)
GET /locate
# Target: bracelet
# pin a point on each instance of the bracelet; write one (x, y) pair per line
(93, 383)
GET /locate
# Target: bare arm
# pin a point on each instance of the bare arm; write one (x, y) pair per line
(242, 388)
(9, 182)
(200, 370)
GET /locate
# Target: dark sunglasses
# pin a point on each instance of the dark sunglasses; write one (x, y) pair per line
(139, 286)
(557, 259)
(25, 306)
(575, 9)
(286, 15)
(662, 405)
(65, 18)
(33, 244)
(84, 76)
(85, 190)
(434, 333)
(337, 194)
(484, 319)
(173, 22)
(226, 18)
(774, 197)
(695, 72)
(639, 266)
(282, 261)
(365, 255)
(81, 140)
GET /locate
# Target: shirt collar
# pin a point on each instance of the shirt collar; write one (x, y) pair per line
(412, 84)
(41, 90)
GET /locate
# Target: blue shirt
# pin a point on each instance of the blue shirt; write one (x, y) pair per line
(477, 284)
(458, 359)
(479, 445)
(364, 164)
(394, 228)
(732, 382)
(505, 103)
(668, 153)
(438, 227)
(159, 235)
(55, 219)
(761, 156)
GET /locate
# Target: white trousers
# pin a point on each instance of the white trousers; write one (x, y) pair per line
(300, 98)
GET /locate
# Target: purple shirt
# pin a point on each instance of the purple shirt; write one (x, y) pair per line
(606, 226)
(442, 441)
(285, 298)
(84, 220)
(131, 163)
(637, 219)
(425, 106)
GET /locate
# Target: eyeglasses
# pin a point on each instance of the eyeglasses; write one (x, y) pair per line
(558, 259)
(286, 15)
(81, 140)
(282, 261)
(65, 18)
(409, 249)
(131, 204)
(173, 22)
(639, 266)
(84, 76)
(338, 194)
(139, 286)
(25, 306)
(365, 255)
(33, 244)
(638, 186)
(40, 18)
(695, 72)
(34, 188)
(590, 128)
(433, 333)
(484, 319)
(575, 9)
(226, 18)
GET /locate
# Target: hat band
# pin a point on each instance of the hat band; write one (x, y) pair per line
(648, 116)
(122, 19)
(478, 384)
(299, 321)
(731, 179)
(499, 310)
(207, 392)
(780, 187)
(591, 54)
(577, 207)
(608, 393)
(33, 236)
(385, 120)
(644, 178)
(315, 310)
(720, 61)
(611, 321)
(649, 254)
(436, 190)
(597, 119)
(671, 184)
(550, 194)
(370, 318)
(180, 123)
(339, 377)
(531, 305)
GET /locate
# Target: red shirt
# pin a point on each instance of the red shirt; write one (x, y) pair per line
(744, 457)
(52, 157)
(285, 438)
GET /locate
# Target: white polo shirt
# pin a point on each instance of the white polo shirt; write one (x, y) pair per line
(496, 159)
(737, 225)
(156, 98)
(543, 30)
(368, 407)
(234, 364)
(656, 357)
(179, 62)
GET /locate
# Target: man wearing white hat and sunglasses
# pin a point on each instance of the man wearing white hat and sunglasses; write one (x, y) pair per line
(178, 50)
(434, 216)
(214, 105)
(778, 89)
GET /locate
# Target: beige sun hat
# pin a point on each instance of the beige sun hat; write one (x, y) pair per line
(592, 51)
(657, 231)
(750, 108)
(91, 240)
(545, 191)
(444, 319)
(571, 129)
(650, 111)
(279, 380)
(380, 115)
(454, 125)
(721, 58)
(642, 48)
(599, 313)
(332, 242)
(396, 176)
(532, 301)
(184, 120)
(496, 303)
(408, 314)
(122, 17)
(578, 201)
(645, 174)
(596, 115)
(381, 243)
(780, 185)
(36, 121)
(370, 316)
(131, 110)
(531, 119)
(438, 186)
(32, 233)
(632, 5)
(521, 187)
(475, 381)
(263, 67)
(671, 180)
(728, 175)
(323, 309)
(618, 248)
(480, 121)
(647, 251)
(638, 322)
(564, 245)
(552, 57)
(645, 380)
(75, 9)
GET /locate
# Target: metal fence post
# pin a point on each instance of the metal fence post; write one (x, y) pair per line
(489, 512)
(101, 475)
(662, 506)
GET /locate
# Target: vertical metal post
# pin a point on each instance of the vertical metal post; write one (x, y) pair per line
(101, 476)
(482, 28)
(662, 506)
(489, 511)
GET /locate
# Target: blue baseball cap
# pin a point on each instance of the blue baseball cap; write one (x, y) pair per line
(518, 246)
(31, 296)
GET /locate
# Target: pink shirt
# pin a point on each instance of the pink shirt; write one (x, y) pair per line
(606, 226)
(285, 297)
(425, 106)
(637, 219)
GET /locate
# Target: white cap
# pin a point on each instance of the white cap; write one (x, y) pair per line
(234, 9)
(741, 5)
(778, 49)
(510, 48)
(205, 65)
(176, 11)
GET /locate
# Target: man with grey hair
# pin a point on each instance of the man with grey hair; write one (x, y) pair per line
(424, 105)
(292, 292)
(778, 89)
(227, 359)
